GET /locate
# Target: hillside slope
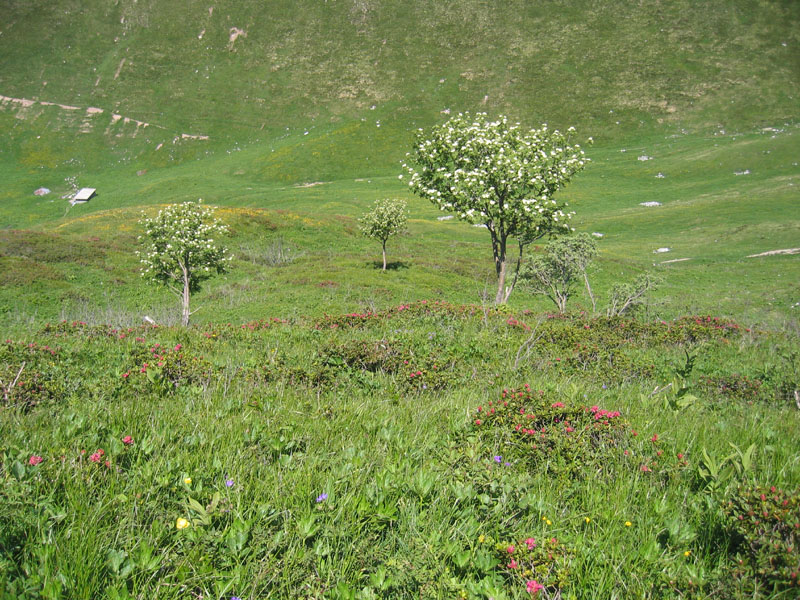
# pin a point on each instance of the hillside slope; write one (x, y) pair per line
(369, 71)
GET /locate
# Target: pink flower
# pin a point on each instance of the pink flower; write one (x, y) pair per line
(127, 440)
(510, 549)
(531, 543)
(654, 438)
(95, 458)
(512, 564)
(34, 460)
(533, 587)
(644, 469)
(557, 405)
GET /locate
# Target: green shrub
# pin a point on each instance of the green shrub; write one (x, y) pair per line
(764, 524)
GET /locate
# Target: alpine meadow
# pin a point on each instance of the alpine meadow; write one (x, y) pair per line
(361, 299)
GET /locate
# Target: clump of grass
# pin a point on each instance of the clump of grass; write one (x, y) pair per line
(276, 254)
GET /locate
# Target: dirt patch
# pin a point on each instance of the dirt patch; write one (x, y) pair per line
(310, 184)
(775, 252)
(674, 260)
(235, 34)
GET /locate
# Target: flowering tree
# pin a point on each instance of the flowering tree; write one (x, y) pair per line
(387, 218)
(496, 174)
(181, 252)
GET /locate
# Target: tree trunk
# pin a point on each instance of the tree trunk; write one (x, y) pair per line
(501, 266)
(384, 255)
(591, 295)
(185, 297)
(501, 296)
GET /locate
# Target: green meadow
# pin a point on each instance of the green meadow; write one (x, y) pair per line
(324, 429)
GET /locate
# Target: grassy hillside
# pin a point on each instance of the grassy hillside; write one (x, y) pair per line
(79, 262)
(361, 73)
(325, 430)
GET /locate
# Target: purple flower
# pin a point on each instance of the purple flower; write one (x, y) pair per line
(229, 483)
(322, 497)
(498, 459)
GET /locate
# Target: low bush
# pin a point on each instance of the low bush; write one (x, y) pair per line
(764, 524)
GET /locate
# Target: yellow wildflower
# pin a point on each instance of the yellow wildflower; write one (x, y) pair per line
(181, 523)
(628, 523)
(188, 481)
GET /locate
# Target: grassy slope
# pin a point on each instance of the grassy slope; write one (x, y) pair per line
(300, 98)
(709, 214)
(412, 485)
(336, 68)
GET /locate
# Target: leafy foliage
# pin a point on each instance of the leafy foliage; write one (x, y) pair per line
(765, 523)
(556, 272)
(627, 297)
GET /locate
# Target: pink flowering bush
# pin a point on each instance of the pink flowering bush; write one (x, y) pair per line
(166, 367)
(30, 374)
(554, 435)
(541, 566)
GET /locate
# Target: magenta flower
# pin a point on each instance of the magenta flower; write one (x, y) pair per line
(35, 460)
(127, 440)
(533, 587)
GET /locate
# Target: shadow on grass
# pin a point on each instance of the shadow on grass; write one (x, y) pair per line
(390, 266)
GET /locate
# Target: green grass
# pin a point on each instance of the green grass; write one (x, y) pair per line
(415, 500)
(708, 215)
(329, 387)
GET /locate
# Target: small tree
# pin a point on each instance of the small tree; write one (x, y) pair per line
(387, 218)
(496, 174)
(562, 265)
(627, 297)
(181, 251)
